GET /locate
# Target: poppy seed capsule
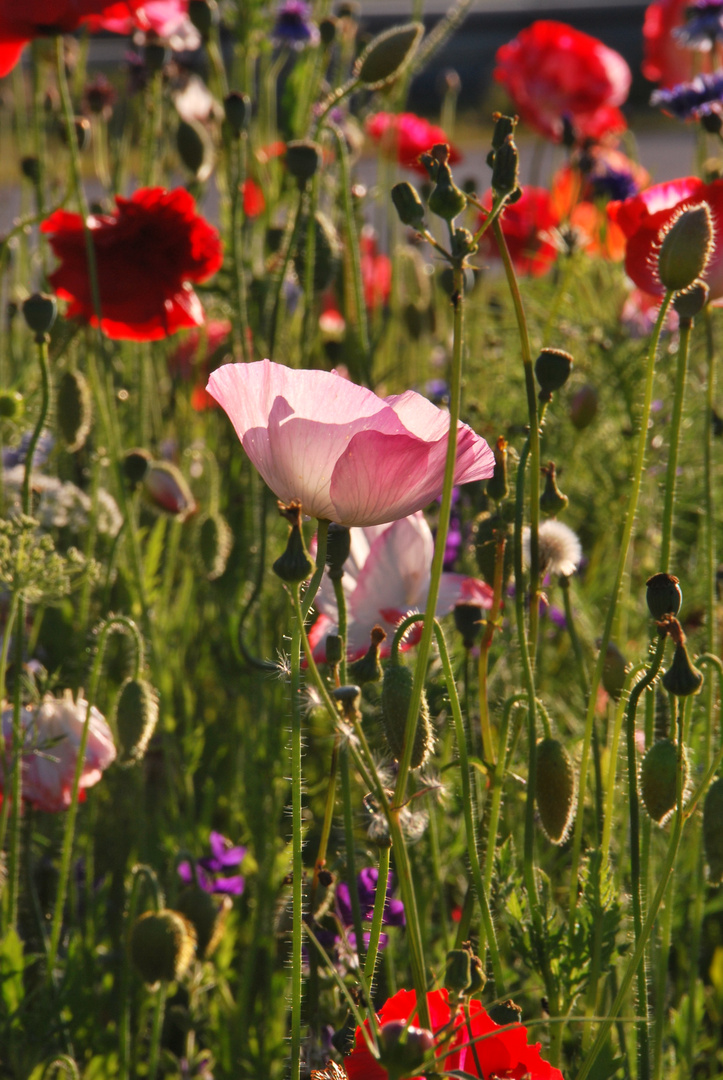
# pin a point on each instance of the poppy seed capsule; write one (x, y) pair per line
(552, 370)
(162, 945)
(403, 1049)
(396, 695)
(682, 678)
(207, 917)
(387, 55)
(686, 248)
(11, 404)
(658, 779)
(334, 649)
(136, 716)
(74, 410)
(555, 789)
(136, 464)
(294, 565)
(303, 158)
(237, 110)
(664, 595)
(713, 830)
(40, 311)
(195, 149)
(408, 205)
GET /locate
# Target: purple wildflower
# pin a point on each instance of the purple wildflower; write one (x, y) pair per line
(16, 455)
(703, 25)
(366, 884)
(211, 869)
(294, 27)
(695, 100)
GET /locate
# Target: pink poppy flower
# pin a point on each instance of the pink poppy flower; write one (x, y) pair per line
(52, 735)
(386, 578)
(642, 217)
(405, 136)
(346, 454)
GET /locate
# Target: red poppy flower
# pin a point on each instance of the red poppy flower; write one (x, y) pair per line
(161, 17)
(526, 225)
(501, 1052)
(405, 136)
(376, 271)
(23, 20)
(664, 61)
(553, 72)
(147, 252)
(642, 218)
(254, 202)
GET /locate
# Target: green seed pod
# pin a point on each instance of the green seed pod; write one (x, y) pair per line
(207, 917)
(40, 311)
(658, 779)
(478, 979)
(458, 972)
(505, 168)
(686, 248)
(215, 541)
(552, 500)
(505, 1012)
(403, 1049)
(387, 55)
(367, 668)
(136, 716)
(682, 678)
(713, 830)
(326, 253)
(162, 945)
(552, 370)
(555, 790)
(691, 301)
(195, 149)
(303, 158)
(74, 410)
(237, 109)
(664, 595)
(446, 199)
(396, 695)
(295, 564)
(408, 205)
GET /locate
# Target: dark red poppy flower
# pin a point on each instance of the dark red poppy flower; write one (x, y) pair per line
(556, 74)
(501, 1052)
(526, 225)
(22, 21)
(405, 136)
(643, 217)
(664, 61)
(148, 252)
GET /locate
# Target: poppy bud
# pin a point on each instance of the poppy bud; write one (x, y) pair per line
(488, 530)
(294, 565)
(478, 979)
(338, 546)
(664, 595)
(446, 199)
(713, 830)
(367, 668)
(468, 620)
(74, 410)
(505, 168)
(686, 248)
(327, 30)
(348, 697)
(162, 944)
(386, 56)
(402, 1049)
(505, 1012)
(458, 973)
(498, 487)
(40, 311)
(504, 126)
(200, 13)
(11, 404)
(552, 368)
(166, 489)
(215, 541)
(136, 716)
(583, 407)
(30, 168)
(207, 917)
(552, 500)
(462, 243)
(555, 789)
(691, 301)
(303, 158)
(195, 149)
(613, 672)
(682, 679)
(408, 205)
(396, 695)
(237, 109)
(658, 779)
(136, 464)
(334, 649)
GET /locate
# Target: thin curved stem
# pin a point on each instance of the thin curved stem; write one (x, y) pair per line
(672, 469)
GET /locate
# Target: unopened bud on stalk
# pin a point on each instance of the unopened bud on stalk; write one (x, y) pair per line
(136, 716)
(30, 168)
(200, 13)
(664, 595)
(498, 487)
(206, 916)
(691, 301)
(338, 546)
(195, 149)
(584, 406)
(613, 673)
(458, 973)
(552, 500)
(505, 168)
(367, 668)
(555, 789)
(11, 404)
(294, 565)
(136, 464)
(40, 311)
(408, 205)
(387, 55)
(162, 944)
(686, 247)
(237, 109)
(166, 488)
(402, 1049)
(396, 696)
(552, 369)
(74, 410)
(446, 199)
(215, 540)
(348, 697)
(504, 127)
(658, 779)
(327, 30)
(681, 679)
(303, 158)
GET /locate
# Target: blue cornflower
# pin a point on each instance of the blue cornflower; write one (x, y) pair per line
(16, 455)
(609, 183)
(212, 870)
(293, 26)
(692, 100)
(703, 25)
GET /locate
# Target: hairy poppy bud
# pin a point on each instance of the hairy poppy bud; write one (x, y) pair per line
(396, 695)
(613, 673)
(552, 500)
(505, 168)
(303, 158)
(367, 668)
(686, 248)
(555, 789)
(713, 830)
(504, 126)
(206, 915)
(136, 716)
(295, 564)
(403, 1049)
(658, 779)
(387, 55)
(237, 110)
(458, 973)
(215, 541)
(167, 489)
(664, 595)
(468, 621)
(408, 205)
(682, 678)
(162, 944)
(691, 301)
(136, 464)
(584, 406)
(200, 13)
(74, 410)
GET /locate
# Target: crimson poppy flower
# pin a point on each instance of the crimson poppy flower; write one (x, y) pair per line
(22, 22)
(643, 217)
(405, 136)
(554, 73)
(526, 225)
(147, 253)
(664, 61)
(498, 1051)
(161, 17)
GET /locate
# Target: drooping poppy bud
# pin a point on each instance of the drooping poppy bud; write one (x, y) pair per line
(162, 945)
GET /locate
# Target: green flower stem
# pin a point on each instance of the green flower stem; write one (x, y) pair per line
(309, 271)
(117, 624)
(322, 533)
(138, 873)
(236, 178)
(490, 625)
(331, 102)
(297, 839)
(159, 1010)
(42, 343)
(361, 316)
(710, 520)
(293, 229)
(342, 625)
(350, 843)
(13, 864)
(488, 934)
(497, 781)
(675, 421)
(638, 467)
(534, 436)
(380, 899)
